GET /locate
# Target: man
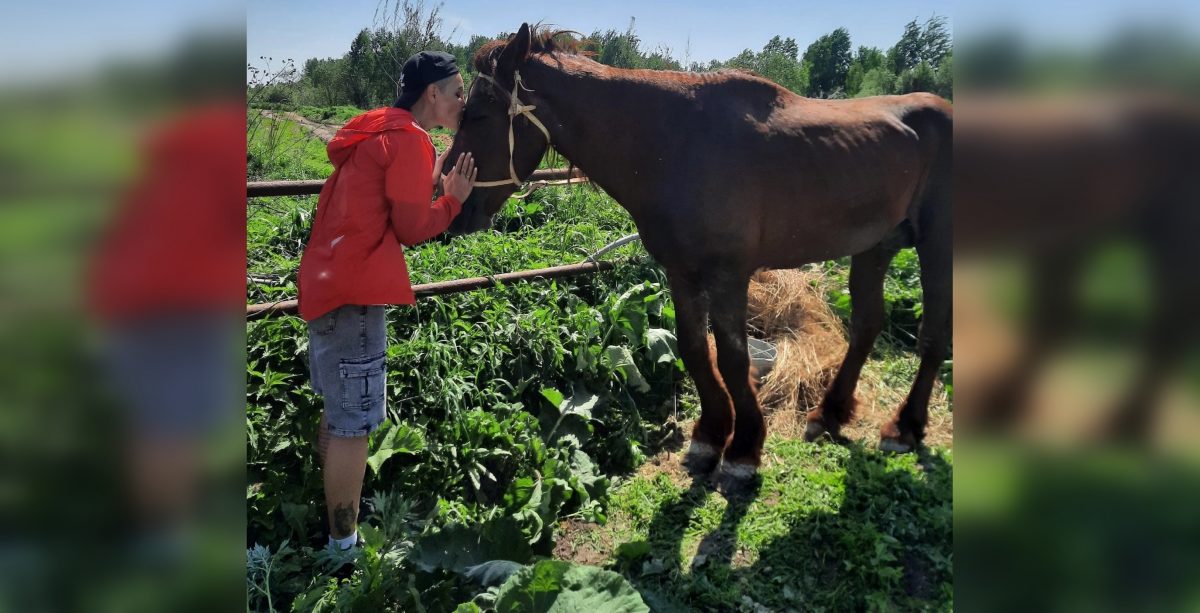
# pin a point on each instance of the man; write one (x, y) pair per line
(166, 306)
(377, 200)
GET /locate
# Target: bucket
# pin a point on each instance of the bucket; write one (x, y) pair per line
(762, 355)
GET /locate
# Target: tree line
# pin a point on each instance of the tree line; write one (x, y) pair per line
(367, 75)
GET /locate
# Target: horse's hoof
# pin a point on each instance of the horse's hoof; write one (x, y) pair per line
(737, 478)
(895, 439)
(895, 445)
(701, 459)
(815, 430)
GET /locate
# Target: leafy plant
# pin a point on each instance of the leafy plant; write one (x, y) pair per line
(554, 585)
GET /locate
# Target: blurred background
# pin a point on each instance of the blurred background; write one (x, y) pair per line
(1077, 300)
(122, 283)
(122, 250)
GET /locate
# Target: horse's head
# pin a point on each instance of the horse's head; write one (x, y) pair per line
(499, 129)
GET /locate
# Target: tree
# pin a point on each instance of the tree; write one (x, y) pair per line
(877, 82)
(617, 49)
(919, 78)
(622, 50)
(916, 59)
(944, 80)
(401, 28)
(323, 77)
(746, 60)
(935, 41)
(930, 44)
(907, 51)
(465, 54)
(661, 60)
(785, 71)
(772, 64)
(867, 59)
(828, 60)
(359, 67)
(786, 47)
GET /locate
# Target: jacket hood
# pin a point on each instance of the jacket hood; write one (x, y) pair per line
(365, 126)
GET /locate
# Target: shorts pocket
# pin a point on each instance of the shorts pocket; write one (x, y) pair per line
(363, 382)
(325, 324)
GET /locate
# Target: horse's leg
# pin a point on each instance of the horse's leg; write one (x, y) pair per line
(867, 270)
(1133, 419)
(1053, 306)
(1174, 328)
(744, 453)
(711, 433)
(906, 429)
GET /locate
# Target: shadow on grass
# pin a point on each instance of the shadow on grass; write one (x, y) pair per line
(880, 541)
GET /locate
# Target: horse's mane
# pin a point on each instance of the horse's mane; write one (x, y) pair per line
(545, 41)
(541, 41)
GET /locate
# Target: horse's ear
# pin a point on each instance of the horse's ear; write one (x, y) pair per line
(515, 51)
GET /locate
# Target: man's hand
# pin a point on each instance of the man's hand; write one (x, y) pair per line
(437, 166)
(461, 179)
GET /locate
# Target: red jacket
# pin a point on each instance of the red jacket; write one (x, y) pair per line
(376, 201)
(178, 240)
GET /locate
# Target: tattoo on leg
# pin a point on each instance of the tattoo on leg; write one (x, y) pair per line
(345, 518)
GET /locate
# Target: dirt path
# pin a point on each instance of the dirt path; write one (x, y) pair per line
(323, 131)
(326, 131)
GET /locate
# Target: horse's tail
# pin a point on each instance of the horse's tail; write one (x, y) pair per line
(932, 118)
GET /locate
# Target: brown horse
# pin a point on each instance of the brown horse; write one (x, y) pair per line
(1050, 182)
(724, 174)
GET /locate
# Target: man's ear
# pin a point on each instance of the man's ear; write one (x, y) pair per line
(515, 51)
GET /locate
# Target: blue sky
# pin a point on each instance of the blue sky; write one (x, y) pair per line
(52, 41)
(87, 35)
(703, 30)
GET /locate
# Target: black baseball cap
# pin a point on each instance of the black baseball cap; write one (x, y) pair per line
(421, 70)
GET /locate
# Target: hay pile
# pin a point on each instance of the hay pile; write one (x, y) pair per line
(789, 309)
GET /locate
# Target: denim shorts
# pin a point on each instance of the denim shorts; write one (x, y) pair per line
(347, 351)
(179, 375)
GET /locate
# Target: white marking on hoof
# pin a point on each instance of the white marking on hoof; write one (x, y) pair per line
(701, 451)
(701, 458)
(814, 430)
(894, 445)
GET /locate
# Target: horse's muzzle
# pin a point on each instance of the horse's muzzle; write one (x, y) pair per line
(472, 218)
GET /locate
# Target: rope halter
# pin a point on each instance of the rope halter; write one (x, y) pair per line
(514, 108)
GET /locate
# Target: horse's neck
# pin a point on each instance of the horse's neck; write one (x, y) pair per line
(584, 123)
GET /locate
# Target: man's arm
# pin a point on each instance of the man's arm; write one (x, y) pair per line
(414, 219)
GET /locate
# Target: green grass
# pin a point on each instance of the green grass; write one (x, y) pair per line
(282, 150)
(1047, 528)
(336, 115)
(831, 528)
